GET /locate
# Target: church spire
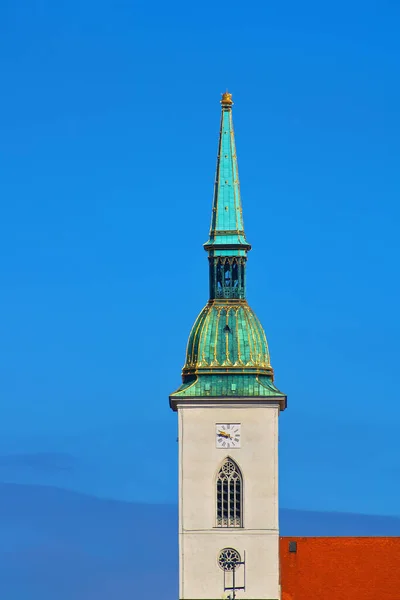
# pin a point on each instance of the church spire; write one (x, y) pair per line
(227, 352)
(227, 246)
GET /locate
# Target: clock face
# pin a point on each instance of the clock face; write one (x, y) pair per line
(227, 435)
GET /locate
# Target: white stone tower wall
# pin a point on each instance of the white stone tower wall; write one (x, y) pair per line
(200, 540)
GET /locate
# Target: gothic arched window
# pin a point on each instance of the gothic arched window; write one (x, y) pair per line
(229, 492)
(227, 277)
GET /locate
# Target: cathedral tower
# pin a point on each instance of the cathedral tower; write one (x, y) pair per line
(228, 408)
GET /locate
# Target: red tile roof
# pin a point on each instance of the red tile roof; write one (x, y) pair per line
(340, 568)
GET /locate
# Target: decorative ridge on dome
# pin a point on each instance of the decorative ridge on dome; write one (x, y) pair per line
(227, 337)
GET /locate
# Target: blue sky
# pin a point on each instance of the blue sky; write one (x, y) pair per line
(109, 115)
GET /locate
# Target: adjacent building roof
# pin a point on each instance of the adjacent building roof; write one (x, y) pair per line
(340, 568)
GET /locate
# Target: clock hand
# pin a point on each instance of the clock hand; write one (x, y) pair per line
(224, 434)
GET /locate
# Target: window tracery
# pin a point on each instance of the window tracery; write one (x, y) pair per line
(227, 277)
(229, 559)
(229, 490)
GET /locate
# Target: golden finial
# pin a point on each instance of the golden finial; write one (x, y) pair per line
(226, 100)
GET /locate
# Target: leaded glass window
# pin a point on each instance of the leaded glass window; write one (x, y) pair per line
(229, 490)
(229, 559)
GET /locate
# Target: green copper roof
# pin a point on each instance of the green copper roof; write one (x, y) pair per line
(227, 228)
(229, 385)
(227, 352)
(227, 336)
